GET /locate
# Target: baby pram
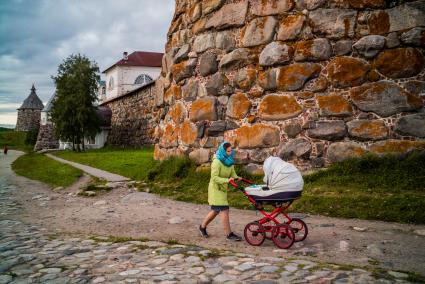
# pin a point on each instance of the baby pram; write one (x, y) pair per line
(283, 184)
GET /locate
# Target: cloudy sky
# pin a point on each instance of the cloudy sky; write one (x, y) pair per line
(36, 35)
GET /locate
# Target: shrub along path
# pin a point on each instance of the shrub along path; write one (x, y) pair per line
(125, 212)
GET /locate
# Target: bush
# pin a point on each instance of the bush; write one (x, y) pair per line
(31, 137)
(171, 168)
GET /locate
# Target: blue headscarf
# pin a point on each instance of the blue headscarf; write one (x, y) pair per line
(221, 154)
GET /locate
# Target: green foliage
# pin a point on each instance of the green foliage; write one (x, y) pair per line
(31, 137)
(42, 168)
(385, 173)
(14, 140)
(4, 129)
(73, 110)
(390, 188)
(172, 168)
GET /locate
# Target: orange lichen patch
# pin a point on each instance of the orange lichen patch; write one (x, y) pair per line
(251, 118)
(169, 137)
(304, 95)
(194, 12)
(347, 71)
(158, 153)
(396, 146)
(279, 107)
(367, 129)
(255, 136)
(359, 4)
(304, 48)
(400, 62)
(246, 83)
(333, 105)
(158, 132)
(290, 27)
(373, 76)
(178, 68)
(203, 109)
(199, 26)
(256, 93)
(173, 93)
(174, 25)
(378, 22)
(178, 113)
(320, 84)
(188, 133)
(294, 76)
(414, 101)
(238, 106)
(384, 98)
(340, 151)
(271, 7)
(267, 79)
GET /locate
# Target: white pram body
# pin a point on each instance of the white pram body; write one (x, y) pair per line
(283, 182)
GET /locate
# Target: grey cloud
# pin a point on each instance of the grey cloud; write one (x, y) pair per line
(37, 35)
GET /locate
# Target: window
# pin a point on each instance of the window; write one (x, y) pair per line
(143, 79)
(111, 83)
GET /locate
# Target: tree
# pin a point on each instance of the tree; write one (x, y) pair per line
(73, 111)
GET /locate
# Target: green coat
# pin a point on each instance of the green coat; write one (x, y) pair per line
(217, 189)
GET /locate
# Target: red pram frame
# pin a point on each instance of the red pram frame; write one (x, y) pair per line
(283, 234)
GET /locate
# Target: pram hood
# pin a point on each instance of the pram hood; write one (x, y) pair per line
(282, 176)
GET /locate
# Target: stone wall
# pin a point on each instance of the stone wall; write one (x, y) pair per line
(28, 119)
(134, 118)
(313, 81)
(46, 138)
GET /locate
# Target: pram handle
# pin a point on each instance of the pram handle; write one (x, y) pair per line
(235, 184)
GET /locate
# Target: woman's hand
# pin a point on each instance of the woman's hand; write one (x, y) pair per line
(232, 179)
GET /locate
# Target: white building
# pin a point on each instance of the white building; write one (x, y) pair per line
(104, 114)
(131, 72)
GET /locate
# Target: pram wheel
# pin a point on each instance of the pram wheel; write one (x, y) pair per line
(300, 229)
(254, 234)
(283, 236)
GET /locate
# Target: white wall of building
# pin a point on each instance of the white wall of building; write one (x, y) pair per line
(98, 142)
(123, 78)
(112, 79)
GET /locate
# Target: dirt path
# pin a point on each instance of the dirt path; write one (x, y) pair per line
(90, 170)
(124, 212)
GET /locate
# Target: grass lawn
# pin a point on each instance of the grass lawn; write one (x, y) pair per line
(14, 140)
(385, 188)
(130, 163)
(39, 167)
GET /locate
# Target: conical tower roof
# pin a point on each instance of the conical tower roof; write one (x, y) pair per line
(32, 101)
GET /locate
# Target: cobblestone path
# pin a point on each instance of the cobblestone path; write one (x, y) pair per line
(29, 255)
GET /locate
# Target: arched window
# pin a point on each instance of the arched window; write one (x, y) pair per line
(111, 83)
(143, 79)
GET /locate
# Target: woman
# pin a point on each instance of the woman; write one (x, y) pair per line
(222, 172)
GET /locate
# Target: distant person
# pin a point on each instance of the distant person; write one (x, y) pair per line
(222, 172)
(5, 150)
